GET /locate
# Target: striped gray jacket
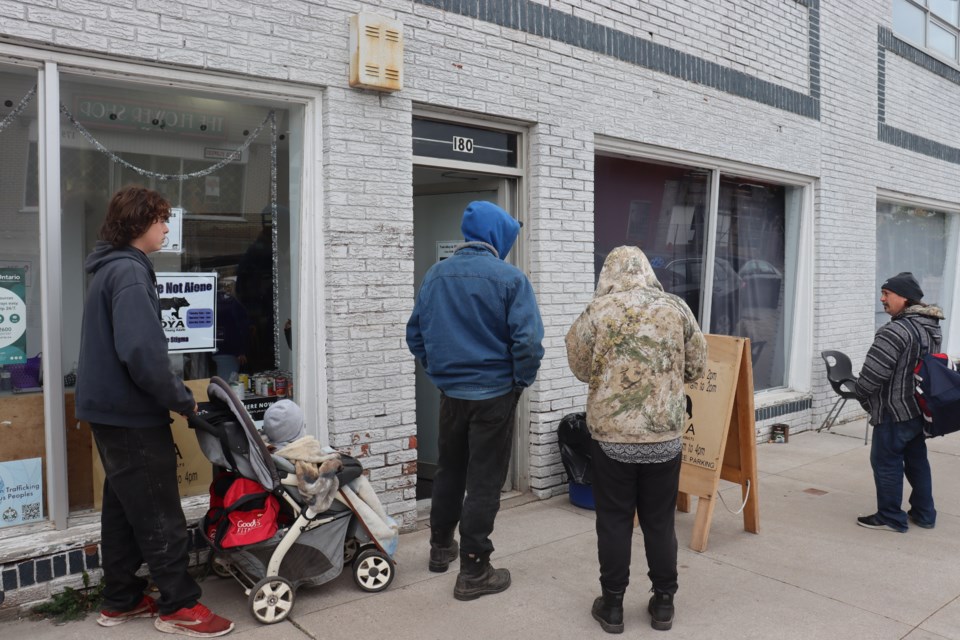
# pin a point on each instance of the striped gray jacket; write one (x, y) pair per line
(886, 385)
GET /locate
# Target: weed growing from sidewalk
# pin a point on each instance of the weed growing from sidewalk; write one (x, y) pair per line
(72, 604)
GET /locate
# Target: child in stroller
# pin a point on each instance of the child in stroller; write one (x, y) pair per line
(268, 535)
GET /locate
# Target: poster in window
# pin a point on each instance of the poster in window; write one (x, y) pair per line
(21, 491)
(13, 316)
(188, 303)
(637, 221)
(211, 191)
(680, 231)
(173, 242)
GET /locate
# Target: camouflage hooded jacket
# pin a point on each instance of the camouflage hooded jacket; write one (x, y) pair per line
(635, 345)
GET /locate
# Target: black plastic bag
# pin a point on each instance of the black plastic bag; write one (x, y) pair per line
(574, 438)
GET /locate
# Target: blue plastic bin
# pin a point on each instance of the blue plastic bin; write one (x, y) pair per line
(581, 495)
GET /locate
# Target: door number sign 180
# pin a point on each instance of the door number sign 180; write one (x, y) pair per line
(462, 145)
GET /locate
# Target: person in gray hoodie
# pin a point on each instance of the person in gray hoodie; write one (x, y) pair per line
(126, 390)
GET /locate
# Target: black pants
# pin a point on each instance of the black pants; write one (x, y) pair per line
(650, 491)
(474, 448)
(142, 519)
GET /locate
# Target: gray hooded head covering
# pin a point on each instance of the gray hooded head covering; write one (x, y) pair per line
(283, 423)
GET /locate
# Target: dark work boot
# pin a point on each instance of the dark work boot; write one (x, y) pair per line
(477, 578)
(441, 555)
(608, 611)
(661, 611)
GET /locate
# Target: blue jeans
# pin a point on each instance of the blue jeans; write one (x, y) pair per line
(142, 520)
(900, 448)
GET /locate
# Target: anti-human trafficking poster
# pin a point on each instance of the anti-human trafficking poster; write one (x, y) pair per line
(21, 491)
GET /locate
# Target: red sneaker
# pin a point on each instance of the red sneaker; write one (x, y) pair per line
(197, 621)
(146, 609)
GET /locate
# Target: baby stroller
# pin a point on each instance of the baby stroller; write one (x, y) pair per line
(295, 546)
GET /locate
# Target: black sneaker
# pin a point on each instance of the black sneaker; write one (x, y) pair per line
(661, 611)
(471, 586)
(919, 523)
(441, 556)
(874, 522)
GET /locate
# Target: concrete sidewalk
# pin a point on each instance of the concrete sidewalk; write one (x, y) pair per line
(810, 573)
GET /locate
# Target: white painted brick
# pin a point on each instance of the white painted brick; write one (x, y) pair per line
(571, 96)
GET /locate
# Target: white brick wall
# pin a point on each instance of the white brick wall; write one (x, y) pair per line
(765, 38)
(921, 102)
(570, 96)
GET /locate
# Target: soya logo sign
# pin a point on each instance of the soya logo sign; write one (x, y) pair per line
(188, 310)
(13, 316)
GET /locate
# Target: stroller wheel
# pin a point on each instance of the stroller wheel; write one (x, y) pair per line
(271, 599)
(351, 546)
(218, 567)
(373, 570)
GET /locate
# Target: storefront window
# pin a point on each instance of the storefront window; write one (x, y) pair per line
(226, 274)
(664, 210)
(22, 439)
(922, 241)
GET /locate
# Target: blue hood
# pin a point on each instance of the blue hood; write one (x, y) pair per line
(486, 222)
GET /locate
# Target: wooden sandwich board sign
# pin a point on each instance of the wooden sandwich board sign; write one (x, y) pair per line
(719, 440)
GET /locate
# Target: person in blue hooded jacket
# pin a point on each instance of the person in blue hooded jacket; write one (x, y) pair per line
(477, 332)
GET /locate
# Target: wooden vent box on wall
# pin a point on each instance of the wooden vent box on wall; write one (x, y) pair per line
(376, 52)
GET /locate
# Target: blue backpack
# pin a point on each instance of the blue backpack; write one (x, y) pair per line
(937, 392)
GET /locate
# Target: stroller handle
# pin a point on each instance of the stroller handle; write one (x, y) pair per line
(194, 421)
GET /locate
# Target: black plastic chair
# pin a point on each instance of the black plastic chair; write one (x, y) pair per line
(840, 375)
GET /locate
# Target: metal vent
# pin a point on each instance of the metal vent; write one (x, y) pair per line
(376, 52)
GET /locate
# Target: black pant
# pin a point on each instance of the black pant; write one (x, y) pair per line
(142, 519)
(650, 491)
(474, 448)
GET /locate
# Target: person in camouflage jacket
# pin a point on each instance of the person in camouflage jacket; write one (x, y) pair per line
(635, 346)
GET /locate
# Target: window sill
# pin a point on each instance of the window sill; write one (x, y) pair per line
(41, 539)
(773, 397)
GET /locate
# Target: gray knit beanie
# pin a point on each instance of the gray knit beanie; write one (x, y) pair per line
(283, 423)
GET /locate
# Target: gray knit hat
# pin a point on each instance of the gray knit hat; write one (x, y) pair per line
(283, 423)
(905, 285)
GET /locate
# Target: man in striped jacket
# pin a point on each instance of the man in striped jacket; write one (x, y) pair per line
(885, 389)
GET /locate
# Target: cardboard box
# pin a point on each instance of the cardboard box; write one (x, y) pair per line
(194, 471)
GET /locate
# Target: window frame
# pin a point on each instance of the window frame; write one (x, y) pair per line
(951, 325)
(309, 245)
(931, 17)
(798, 375)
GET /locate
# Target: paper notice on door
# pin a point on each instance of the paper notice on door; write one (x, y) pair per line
(446, 248)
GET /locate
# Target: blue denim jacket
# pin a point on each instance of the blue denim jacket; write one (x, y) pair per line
(475, 327)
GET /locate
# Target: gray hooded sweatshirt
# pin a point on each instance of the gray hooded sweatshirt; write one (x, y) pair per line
(124, 377)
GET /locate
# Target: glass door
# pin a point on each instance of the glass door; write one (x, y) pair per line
(440, 198)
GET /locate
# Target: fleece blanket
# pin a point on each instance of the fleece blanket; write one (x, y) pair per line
(316, 468)
(367, 505)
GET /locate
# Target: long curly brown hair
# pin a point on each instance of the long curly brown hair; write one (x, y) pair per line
(131, 212)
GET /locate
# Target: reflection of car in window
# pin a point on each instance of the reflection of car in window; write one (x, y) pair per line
(683, 277)
(763, 281)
